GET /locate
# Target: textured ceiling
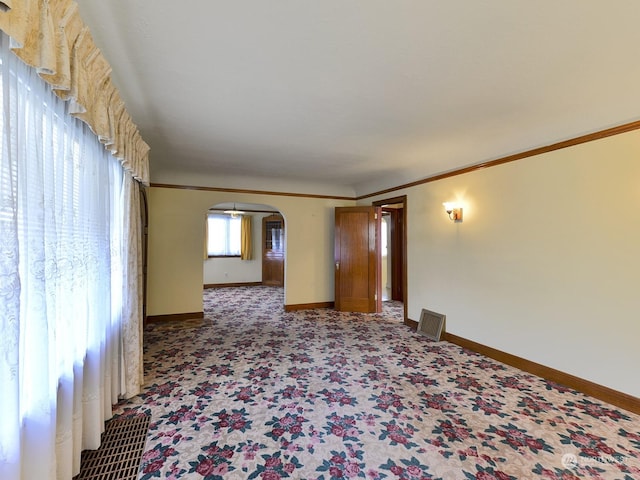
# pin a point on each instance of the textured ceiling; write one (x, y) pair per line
(365, 93)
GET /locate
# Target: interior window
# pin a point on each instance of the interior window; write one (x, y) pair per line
(223, 235)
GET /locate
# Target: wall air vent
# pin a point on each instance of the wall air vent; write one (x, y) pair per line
(431, 324)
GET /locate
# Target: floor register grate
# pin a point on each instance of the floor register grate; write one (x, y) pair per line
(120, 452)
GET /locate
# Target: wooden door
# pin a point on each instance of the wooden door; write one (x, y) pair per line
(273, 250)
(357, 250)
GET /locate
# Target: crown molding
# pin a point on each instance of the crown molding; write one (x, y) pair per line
(248, 191)
(590, 137)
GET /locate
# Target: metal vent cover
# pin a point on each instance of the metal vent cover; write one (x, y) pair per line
(431, 324)
(120, 452)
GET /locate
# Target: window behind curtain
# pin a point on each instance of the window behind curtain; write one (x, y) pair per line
(61, 238)
(223, 235)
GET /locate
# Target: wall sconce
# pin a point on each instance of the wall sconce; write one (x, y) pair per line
(454, 211)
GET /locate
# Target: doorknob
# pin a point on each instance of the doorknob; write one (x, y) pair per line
(337, 265)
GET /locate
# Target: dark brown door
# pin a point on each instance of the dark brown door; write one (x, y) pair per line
(273, 250)
(357, 250)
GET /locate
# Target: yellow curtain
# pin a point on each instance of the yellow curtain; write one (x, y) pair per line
(246, 246)
(206, 237)
(51, 37)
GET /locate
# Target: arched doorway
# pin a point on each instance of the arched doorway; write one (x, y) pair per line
(226, 262)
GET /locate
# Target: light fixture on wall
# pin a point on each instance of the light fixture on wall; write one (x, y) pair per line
(454, 211)
(233, 212)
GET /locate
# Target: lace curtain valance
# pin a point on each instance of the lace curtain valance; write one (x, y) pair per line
(50, 36)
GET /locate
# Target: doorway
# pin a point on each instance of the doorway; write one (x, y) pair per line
(231, 268)
(394, 286)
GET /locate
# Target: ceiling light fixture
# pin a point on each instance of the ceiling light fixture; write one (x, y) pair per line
(233, 212)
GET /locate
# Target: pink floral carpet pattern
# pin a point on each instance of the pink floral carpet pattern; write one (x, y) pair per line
(256, 393)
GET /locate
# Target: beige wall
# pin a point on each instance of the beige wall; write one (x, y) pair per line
(176, 236)
(546, 264)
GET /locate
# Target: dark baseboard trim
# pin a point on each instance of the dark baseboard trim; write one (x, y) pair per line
(174, 316)
(308, 306)
(606, 394)
(412, 324)
(239, 284)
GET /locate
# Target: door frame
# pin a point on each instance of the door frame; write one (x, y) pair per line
(403, 218)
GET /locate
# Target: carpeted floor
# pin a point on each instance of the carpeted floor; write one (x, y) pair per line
(254, 392)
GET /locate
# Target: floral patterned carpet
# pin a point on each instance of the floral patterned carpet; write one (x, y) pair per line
(253, 392)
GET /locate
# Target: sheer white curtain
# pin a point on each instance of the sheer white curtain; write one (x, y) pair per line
(69, 281)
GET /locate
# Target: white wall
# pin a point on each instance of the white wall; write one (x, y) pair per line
(546, 264)
(235, 270)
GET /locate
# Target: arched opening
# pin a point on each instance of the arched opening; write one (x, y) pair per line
(235, 257)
